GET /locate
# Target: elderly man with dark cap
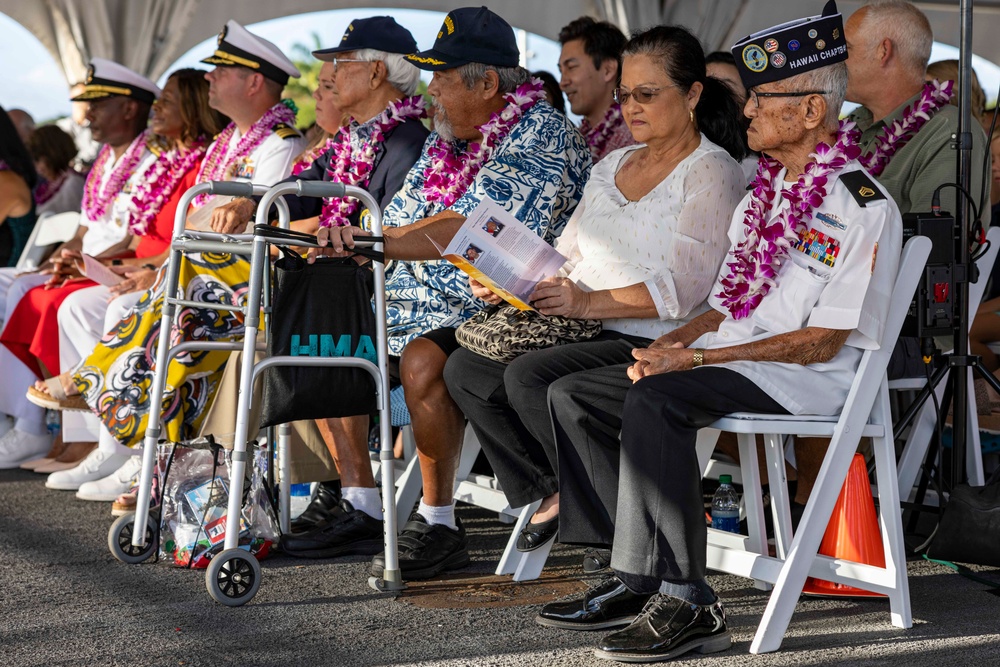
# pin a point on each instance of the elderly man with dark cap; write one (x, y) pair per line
(791, 345)
(494, 138)
(371, 82)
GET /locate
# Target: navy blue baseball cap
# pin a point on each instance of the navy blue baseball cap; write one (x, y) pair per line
(378, 32)
(470, 35)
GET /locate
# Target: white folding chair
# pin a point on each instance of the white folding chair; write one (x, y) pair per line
(48, 230)
(919, 438)
(866, 413)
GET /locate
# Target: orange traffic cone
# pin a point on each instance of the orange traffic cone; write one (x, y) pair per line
(852, 533)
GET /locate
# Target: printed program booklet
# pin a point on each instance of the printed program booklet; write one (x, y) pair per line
(501, 252)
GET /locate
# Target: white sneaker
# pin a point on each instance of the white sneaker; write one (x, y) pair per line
(97, 465)
(112, 486)
(16, 447)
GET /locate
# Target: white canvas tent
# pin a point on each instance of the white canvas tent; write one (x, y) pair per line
(149, 35)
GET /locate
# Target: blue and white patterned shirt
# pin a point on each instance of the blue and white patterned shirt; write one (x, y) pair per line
(537, 174)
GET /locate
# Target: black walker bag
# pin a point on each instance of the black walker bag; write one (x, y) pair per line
(319, 310)
(969, 531)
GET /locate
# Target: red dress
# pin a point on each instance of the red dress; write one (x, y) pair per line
(32, 332)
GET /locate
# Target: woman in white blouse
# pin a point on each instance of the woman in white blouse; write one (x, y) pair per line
(644, 249)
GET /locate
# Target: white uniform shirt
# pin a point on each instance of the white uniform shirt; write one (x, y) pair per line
(111, 229)
(673, 239)
(840, 276)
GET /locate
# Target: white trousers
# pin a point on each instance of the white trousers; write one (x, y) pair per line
(16, 376)
(84, 317)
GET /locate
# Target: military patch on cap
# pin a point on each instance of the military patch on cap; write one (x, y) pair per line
(816, 41)
(754, 58)
(381, 33)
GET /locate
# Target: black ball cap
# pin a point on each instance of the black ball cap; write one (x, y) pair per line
(470, 35)
(378, 32)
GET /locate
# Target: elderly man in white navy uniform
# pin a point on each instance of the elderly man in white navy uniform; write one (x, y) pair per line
(791, 345)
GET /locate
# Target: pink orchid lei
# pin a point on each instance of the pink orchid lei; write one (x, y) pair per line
(758, 257)
(448, 175)
(354, 167)
(598, 137)
(219, 161)
(158, 184)
(97, 199)
(934, 97)
(306, 160)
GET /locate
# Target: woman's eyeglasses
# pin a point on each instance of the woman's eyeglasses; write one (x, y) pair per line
(642, 94)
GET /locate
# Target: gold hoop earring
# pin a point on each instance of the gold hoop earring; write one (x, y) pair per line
(691, 115)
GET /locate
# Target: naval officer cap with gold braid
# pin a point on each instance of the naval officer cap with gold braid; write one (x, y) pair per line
(792, 48)
(238, 47)
(106, 79)
(470, 35)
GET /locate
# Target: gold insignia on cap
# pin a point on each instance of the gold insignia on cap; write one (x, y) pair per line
(90, 74)
(836, 33)
(428, 61)
(866, 192)
(449, 24)
(222, 35)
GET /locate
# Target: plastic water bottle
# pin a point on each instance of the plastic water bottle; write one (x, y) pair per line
(301, 496)
(726, 506)
(52, 422)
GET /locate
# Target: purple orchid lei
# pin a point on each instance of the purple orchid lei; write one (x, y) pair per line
(597, 137)
(757, 259)
(448, 175)
(218, 163)
(934, 96)
(158, 184)
(355, 168)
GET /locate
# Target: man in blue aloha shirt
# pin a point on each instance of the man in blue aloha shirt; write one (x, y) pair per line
(536, 171)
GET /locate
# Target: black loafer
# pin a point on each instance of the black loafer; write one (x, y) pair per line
(345, 532)
(536, 535)
(327, 497)
(609, 604)
(667, 628)
(425, 550)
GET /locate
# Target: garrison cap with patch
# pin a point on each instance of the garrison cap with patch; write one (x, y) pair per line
(238, 47)
(381, 33)
(792, 48)
(470, 35)
(106, 78)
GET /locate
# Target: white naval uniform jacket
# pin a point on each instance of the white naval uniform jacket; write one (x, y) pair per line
(267, 164)
(839, 275)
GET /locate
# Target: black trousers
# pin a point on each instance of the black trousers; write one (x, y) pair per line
(508, 408)
(660, 531)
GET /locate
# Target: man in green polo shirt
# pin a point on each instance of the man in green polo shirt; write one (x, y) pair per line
(888, 45)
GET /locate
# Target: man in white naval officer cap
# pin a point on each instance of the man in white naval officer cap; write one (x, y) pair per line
(119, 102)
(261, 143)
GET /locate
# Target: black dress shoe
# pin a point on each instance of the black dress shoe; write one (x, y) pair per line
(596, 560)
(609, 604)
(344, 532)
(426, 550)
(536, 535)
(327, 497)
(667, 628)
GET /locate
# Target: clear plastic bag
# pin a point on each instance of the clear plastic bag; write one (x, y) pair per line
(195, 505)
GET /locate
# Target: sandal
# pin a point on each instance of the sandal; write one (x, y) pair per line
(55, 398)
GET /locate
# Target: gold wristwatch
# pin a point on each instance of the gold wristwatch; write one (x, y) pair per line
(699, 358)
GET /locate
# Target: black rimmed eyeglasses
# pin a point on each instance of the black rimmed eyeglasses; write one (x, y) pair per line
(754, 95)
